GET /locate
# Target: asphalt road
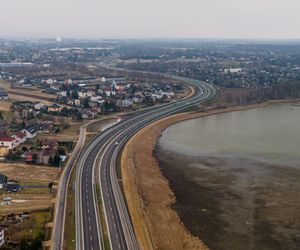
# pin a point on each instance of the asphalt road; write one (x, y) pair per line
(60, 208)
(102, 153)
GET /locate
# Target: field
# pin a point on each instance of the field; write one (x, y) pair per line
(5, 106)
(69, 134)
(36, 195)
(31, 93)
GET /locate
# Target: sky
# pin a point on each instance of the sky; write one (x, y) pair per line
(254, 19)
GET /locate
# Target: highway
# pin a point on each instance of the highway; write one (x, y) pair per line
(60, 208)
(102, 154)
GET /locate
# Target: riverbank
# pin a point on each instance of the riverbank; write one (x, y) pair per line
(149, 196)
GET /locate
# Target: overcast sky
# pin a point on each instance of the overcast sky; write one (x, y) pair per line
(262, 19)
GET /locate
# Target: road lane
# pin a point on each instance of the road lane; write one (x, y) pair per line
(121, 232)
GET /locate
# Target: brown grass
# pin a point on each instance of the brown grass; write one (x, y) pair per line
(29, 173)
(5, 106)
(149, 196)
(30, 199)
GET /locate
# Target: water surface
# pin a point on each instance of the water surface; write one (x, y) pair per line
(270, 134)
(236, 177)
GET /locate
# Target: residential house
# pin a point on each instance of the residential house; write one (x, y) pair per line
(20, 137)
(7, 141)
(3, 181)
(3, 125)
(63, 93)
(70, 102)
(77, 102)
(82, 94)
(55, 108)
(3, 151)
(90, 93)
(55, 87)
(121, 87)
(38, 106)
(2, 238)
(45, 126)
(44, 155)
(12, 187)
(29, 131)
(126, 103)
(95, 98)
(49, 149)
(89, 114)
(49, 81)
(3, 96)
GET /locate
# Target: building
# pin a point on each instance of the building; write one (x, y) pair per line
(20, 137)
(38, 106)
(3, 94)
(7, 141)
(3, 125)
(2, 237)
(82, 94)
(12, 187)
(30, 132)
(55, 108)
(3, 151)
(3, 181)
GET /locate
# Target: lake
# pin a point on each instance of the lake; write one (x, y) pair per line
(236, 176)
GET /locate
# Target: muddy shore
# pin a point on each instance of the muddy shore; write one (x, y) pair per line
(235, 203)
(160, 218)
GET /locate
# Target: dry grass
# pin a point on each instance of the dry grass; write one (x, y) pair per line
(4, 84)
(29, 173)
(19, 97)
(149, 196)
(30, 199)
(5, 106)
(19, 93)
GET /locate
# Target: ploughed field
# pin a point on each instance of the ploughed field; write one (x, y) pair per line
(236, 177)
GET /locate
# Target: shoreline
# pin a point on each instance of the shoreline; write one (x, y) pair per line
(156, 224)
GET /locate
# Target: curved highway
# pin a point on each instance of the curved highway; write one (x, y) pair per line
(102, 153)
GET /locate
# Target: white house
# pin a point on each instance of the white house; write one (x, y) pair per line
(90, 93)
(63, 93)
(95, 98)
(8, 141)
(30, 132)
(82, 94)
(3, 96)
(19, 137)
(2, 238)
(77, 102)
(50, 81)
(38, 106)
